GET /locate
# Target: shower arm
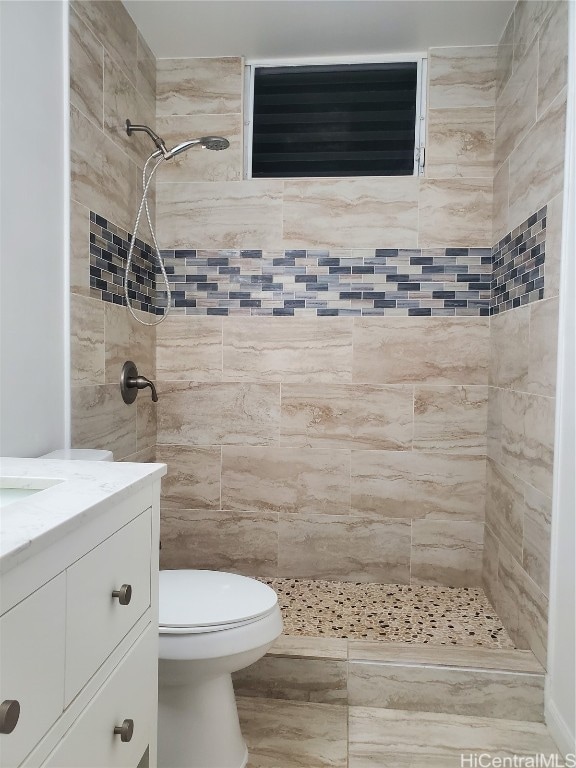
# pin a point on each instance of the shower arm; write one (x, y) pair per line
(130, 127)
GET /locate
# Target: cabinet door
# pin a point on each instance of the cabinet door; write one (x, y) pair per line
(32, 649)
(129, 693)
(95, 620)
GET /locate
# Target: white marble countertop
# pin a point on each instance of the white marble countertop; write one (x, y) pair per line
(72, 491)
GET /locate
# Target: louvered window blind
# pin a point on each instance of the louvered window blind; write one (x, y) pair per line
(342, 120)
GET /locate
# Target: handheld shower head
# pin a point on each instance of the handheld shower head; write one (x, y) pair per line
(208, 142)
(214, 142)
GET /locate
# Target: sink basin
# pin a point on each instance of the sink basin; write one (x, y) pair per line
(14, 489)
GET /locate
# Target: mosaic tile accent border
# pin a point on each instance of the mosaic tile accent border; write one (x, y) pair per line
(108, 253)
(518, 265)
(433, 282)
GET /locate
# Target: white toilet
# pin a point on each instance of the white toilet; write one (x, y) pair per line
(211, 624)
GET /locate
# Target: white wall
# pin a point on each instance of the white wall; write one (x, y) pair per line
(561, 682)
(33, 227)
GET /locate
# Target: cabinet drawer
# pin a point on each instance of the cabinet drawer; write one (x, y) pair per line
(129, 693)
(32, 667)
(95, 620)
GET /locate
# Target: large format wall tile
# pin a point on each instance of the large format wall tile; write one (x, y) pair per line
(411, 484)
(536, 165)
(113, 26)
(505, 507)
(189, 348)
(455, 212)
(146, 74)
(199, 86)
(490, 565)
(529, 16)
(127, 339)
(86, 74)
(193, 479)
(223, 214)
(541, 376)
(239, 542)
(101, 419)
(528, 438)
(554, 215)
(347, 415)
(122, 101)
(539, 442)
(423, 350)
(505, 56)
(86, 340)
(305, 350)
(343, 548)
(494, 425)
(536, 539)
(192, 413)
(79, 249)
(509, 348)
(553, 55)
(462, 77)
(418, 688)
(533, 618)
(516, 107)
(288, 480)
(359, 212)
(446, 552)
(102, 177)
(450, 419)
(197, 164)
(500, 225)
(460, 142)
(146, 424)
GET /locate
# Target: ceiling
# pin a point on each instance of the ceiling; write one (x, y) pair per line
(281, 29)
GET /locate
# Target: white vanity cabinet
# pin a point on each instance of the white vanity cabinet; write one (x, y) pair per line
(79, 639)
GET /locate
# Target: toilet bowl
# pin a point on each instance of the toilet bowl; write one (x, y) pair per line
(211, 624)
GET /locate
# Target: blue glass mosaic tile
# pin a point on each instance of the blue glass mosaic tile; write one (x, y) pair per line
(109, 246)
(434, 282)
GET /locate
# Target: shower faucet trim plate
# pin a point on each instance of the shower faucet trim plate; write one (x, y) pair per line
(131, 382)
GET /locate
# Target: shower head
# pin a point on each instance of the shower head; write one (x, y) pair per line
(208, 142)
(215, 142)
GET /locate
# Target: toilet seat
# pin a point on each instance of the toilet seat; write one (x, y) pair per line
(198, 601)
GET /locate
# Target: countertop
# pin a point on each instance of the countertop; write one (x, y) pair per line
(87, 487)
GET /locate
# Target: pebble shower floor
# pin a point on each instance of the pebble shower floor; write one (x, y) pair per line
(389, 613)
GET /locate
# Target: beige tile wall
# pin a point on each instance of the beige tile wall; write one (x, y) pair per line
(530, 122)
(325, 447)
(112, 78)
(451, 207)
(292, 450)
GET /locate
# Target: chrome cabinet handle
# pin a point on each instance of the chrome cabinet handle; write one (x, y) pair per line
(125, 731)
(9, 714)
(124, 594)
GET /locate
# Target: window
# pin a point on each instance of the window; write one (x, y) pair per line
(335, 120)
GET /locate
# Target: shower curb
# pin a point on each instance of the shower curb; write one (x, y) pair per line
(498, 683)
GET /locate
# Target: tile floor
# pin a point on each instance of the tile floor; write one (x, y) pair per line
(287, 734)
(389, 613)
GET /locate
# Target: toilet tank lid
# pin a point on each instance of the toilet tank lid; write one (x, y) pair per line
(79, 454)
(194, 598)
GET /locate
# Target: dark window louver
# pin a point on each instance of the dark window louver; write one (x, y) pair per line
(345, 120)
